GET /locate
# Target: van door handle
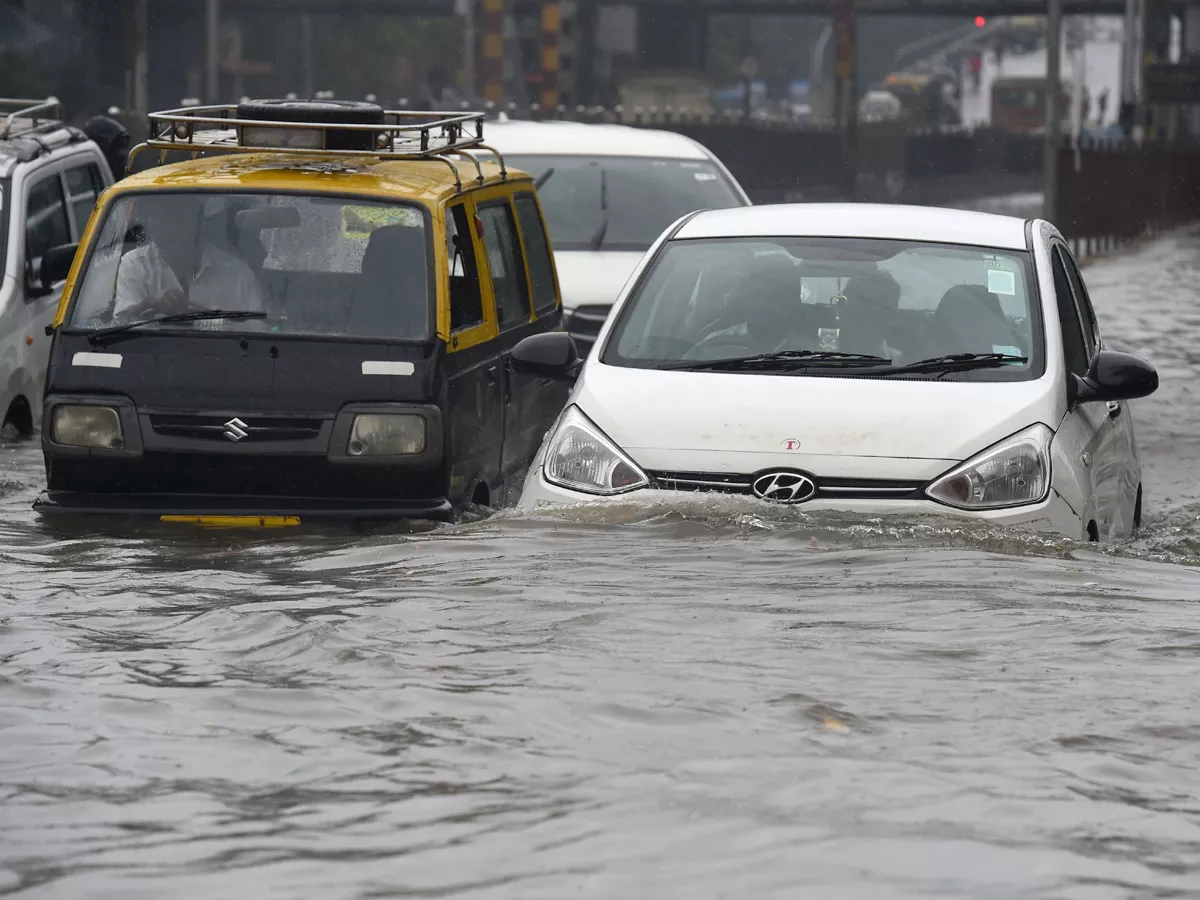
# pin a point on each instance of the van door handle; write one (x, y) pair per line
(1114, 409)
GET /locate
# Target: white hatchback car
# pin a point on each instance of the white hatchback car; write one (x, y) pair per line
(881, 359)
(608, 192)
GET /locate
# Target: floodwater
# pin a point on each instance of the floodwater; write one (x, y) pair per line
(633, 703)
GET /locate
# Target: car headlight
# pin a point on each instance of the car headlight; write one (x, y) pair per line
(1014, 472)
(87, 426)
(580, 457)
(387, 435)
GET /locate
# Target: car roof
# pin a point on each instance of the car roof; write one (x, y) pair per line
(28, 145)
(588, 139)
(866, 220)
(424, 180)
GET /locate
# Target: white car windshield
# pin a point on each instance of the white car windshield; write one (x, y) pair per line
(285, 263)
(897, 302)
(621, 202)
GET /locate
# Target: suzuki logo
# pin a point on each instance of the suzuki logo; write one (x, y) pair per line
(236, 430)
(784, 487)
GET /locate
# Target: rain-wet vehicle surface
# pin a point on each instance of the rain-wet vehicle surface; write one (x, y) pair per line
(50, 177)
(880, 360)
(280, 335)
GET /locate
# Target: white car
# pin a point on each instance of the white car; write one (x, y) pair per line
(608, 192)
(50, 178)
(879, 359)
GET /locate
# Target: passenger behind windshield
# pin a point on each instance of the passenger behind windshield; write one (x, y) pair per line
(887, 303)
(621, 203)
(181, 245)
(304, 265)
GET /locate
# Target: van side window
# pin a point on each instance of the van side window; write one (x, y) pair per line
(537, 249)
(1074, 344)
(506, 264)
(1091, 327)
(466, 302)
(84, 185)
(46, 224)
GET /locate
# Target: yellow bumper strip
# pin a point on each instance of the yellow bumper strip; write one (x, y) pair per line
(235, 521)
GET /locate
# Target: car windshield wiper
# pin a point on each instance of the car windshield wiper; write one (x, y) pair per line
(784, 359)
(956, 362)
(598, 237)
(104, 333)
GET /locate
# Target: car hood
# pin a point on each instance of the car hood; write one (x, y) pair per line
(836, 427)
(593, 279)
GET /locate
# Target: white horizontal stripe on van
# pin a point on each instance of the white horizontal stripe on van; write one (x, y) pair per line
(97, 360)
(379, 367)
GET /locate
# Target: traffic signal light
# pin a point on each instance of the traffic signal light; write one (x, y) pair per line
(980, 21)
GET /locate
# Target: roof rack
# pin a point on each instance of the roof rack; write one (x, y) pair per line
(24, 116)
(403, 134)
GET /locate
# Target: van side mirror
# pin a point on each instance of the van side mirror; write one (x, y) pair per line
(1117, 376)
(56, 264)
(550, 355)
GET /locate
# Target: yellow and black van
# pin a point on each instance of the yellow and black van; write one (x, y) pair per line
(312, 316)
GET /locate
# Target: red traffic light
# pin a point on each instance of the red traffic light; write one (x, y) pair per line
(980, 21)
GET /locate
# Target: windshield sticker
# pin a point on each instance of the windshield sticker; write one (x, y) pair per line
(705, 176)
(1001, 282)
(1010, 351)
(360, 221)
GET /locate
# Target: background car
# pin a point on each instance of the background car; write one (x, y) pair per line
(608, 192)
(880, 359)
(50, 177)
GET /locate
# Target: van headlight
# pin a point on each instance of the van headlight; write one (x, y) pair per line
(1014, 472)
(579, 456)
(87, 426)
(378, 434)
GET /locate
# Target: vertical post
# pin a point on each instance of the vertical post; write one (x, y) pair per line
(1054, 19)
(212, 20)
(551, 30)
(846, 91)
(141, 65)
(307, 55)
(470, 83)
(493, 51)
(587, 31)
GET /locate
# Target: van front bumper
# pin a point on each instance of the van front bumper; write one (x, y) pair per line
(72, 503)
(1053, 514)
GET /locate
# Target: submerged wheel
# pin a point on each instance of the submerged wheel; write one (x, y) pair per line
(1137, 510)
(1093, 532)
(18, 420)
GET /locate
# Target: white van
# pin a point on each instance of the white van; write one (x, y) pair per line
(608, 192)
(878, 359)
(50, 178)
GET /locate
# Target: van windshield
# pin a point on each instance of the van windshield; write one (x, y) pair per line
(897, 302)
(291, 264)
(621, 202)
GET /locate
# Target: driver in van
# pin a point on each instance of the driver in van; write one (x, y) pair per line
(185, 246)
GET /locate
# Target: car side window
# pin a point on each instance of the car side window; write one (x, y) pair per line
(1091, 327)
(466, 301)
(1074, 343)
(46, 223)
(537, 251)
(506, 265)
(84, 185)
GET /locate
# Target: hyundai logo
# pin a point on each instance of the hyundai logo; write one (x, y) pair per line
(236, 430)
(784, 487)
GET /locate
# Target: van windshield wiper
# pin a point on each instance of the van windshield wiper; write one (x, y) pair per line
(956, 362)
(784, 359)
(104, 333)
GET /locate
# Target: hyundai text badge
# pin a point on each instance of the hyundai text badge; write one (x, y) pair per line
(784, 487)
(236, 430)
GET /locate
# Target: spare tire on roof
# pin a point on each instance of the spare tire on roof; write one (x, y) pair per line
(336, 112)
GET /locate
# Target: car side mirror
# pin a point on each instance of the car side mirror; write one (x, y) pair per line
(1117, 376)
(56, 265)
(550, 355)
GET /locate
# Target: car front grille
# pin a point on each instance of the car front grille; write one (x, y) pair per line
(827, 488)
(215, 428)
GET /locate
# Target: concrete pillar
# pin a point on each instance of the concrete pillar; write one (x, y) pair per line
(551, 55)
(1054, 21)
(493, 51)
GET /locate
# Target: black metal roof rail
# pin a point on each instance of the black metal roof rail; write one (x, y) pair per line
(26, 116)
